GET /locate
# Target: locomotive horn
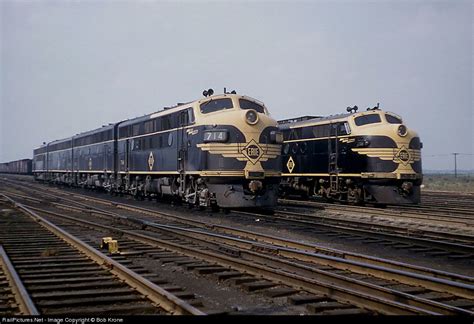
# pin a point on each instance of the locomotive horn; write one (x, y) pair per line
(204, 93)
(210, 92)
(352, 109)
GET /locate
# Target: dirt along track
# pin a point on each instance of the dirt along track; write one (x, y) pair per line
(375, 286)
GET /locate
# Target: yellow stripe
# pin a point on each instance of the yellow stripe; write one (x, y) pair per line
(316, 139)
(83, 171)
(149, 172)
(160, 132)
(318, 174)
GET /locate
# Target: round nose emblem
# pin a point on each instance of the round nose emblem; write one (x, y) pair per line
(253, 151)
(404, 155)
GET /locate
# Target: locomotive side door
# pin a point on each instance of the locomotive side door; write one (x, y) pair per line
(127, 155)
(182, 147)
(333, 168)
(106, 151)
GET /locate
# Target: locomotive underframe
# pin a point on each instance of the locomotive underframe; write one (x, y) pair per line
(355, 190)
(214, 192)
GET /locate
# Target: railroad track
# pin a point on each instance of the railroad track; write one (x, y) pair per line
(63, 275)
(110, 207)
(403, 213)
(450, 201)
(14, 300)
(390, 282)
(373, 229)
(380, 226)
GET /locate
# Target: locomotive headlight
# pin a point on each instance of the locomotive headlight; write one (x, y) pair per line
(402, 130)
(251, 117)
(276, 137)
(220, 136)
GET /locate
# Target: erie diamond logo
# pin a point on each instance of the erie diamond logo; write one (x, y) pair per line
(252, 151)
(290, 164)
(403, 155)
(151, 161)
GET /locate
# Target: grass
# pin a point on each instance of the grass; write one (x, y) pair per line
(447, 182)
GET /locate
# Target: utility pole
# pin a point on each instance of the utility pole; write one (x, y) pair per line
(455, 165)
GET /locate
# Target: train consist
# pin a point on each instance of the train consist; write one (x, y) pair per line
(358, 157)
(23, 166)
(219, 151)
(226, 151)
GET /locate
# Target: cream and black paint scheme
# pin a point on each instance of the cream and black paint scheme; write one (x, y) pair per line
(165, 153)
(337, 159)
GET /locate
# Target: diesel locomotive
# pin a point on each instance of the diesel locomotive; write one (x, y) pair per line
(358, 157)
(219, 151)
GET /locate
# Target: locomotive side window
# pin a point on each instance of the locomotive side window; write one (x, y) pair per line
(123, 132)
(367, 119)
(216, 105)
(191, 116)
(392, 119)
(186, 117)
(343, 129)
(347, 128)
(247, 104)
(136, 130)
(321, 131)
(295, 134)
(165, 122)
(149, 126)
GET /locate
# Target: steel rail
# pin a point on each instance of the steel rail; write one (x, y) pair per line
(442, 285)
(391, 228)
(153, 292)
(269, 239)
(353, 266)
(404, 212)
(432, 241)
(332, 285)
(374, 231)
(25, 304)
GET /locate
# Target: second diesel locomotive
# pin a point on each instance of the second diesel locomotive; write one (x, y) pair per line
(220, 151)
(359, 157)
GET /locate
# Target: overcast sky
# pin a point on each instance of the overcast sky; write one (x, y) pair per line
(71, 66)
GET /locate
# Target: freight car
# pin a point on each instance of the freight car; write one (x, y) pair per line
(23, 166)
(219, 151)
(358, 157)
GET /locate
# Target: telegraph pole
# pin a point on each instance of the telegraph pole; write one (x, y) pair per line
(455, 165)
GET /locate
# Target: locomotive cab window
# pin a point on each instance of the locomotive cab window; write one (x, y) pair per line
(247, 104)
(391, 119)
(186, 117)
(216, 105)
(344, 129)
(367, 119)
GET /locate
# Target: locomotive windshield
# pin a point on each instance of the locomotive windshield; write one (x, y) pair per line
(216, 105)
(367, 119)
(247, 104)
(391, 119)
